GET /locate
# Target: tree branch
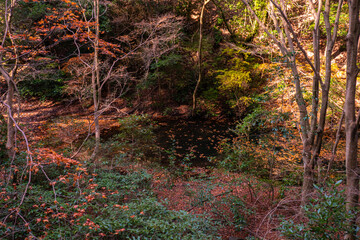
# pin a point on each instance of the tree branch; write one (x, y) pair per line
(297, 41)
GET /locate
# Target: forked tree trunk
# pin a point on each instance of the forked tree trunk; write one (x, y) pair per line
(325, 87)
(311, 125)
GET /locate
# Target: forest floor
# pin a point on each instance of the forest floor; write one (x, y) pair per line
(242, 204)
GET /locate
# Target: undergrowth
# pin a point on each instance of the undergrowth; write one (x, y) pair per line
(326, 216)
(79, 204)
(56, 197)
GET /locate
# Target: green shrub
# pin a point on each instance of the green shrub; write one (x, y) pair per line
(258, 146)
(253, 122)
(235, 81)
(260, 120)
(106, 205)
(239, 211)
(136, 136)
(210, 94)
(44, 86)
(136, 128)
(239, 156)
(133, 140)
(326, 215)
(227, 208)
(173, 73)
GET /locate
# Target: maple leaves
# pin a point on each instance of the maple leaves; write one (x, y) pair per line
(48, 156)
(54, 23)
(49, 213)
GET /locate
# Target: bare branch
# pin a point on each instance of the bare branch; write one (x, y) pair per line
(297, 40)
(281, 47)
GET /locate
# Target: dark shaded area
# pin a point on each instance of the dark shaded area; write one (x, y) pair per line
(197, 140)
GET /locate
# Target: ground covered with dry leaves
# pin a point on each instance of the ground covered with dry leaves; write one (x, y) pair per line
(239, 204)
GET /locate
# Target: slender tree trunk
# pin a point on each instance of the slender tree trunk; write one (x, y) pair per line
(10, 143)
(199, 56)
(351, 123)
(308, 176)
(286, 46)
(352, 179)
(95, 82)
(9, 77)
(330, 42)
(308, 152)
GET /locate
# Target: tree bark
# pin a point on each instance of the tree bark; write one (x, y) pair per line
(351, 122)
(10, 142)
(95, 82)
(199, 56)
(10, 136)
(9, 78)
(330, 42)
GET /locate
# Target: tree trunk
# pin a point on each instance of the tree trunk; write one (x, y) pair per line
(95, 82)
(10, 143)
(9, 77)
(351, 123)
(330, 42)
(307, 159)
(308, 176)
(311, 125)
(199, 56)
(310, 155)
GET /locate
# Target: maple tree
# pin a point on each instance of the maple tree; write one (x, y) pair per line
(84, 32)
(28, 47)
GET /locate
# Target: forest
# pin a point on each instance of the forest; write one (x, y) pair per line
(179, 119)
